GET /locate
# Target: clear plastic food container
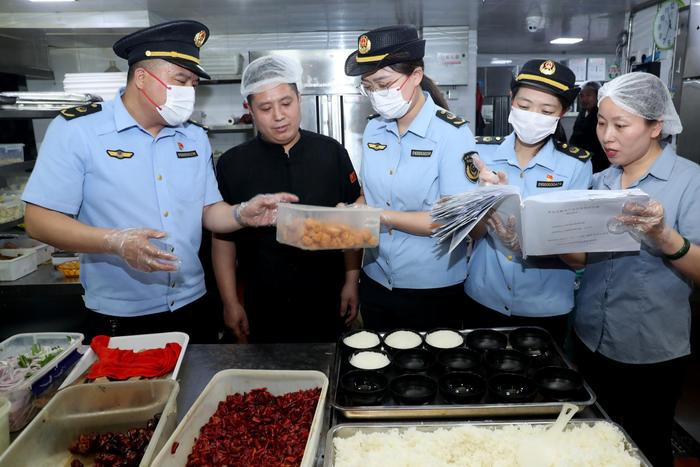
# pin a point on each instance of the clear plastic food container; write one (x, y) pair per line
(11, 209)
(25, 396)
(11, 153)
(16, 264)
(324, 228)
(110, 407)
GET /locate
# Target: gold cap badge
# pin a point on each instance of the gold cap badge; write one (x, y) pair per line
(199, 38)
(364, 44)
(548, 68)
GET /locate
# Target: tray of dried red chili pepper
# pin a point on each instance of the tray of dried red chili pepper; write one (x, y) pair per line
(116, 423)
(253, 418)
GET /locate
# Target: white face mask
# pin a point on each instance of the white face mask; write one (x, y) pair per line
(179, 103)
(532, 127)
(390, 104)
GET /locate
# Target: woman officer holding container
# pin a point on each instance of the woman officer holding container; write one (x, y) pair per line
(414, 153)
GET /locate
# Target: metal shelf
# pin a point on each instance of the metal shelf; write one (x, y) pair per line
(230, 129)
(220, 81)
(14, 114)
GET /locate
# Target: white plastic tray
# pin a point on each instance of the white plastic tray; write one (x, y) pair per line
(116, 406)
(229, 382)
(23, 395)
(27, 245)
(23, 263)
(137, 342)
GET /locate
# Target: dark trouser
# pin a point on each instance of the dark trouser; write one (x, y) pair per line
(196, 319)
(293, 315)
(640, 397)
(484, 317)
(419, 309)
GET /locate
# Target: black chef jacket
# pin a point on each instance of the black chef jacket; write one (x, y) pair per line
(584, 136)
(290, 295)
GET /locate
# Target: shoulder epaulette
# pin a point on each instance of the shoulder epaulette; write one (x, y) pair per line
(573, 151)
(450, 118)
(205, 128)
(370, 117)
(489, 139)
(80, 111)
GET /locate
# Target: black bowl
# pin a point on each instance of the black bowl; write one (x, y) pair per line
(438, 349)
(414, 360)
(348, 349)
(506, 361)
(459, 359)
(462, 387)
(558, 383)
(393, 350)
(533, 341)
(512, 388)
(413, 389)
(482, 340)
(363, 387)
(382, 369)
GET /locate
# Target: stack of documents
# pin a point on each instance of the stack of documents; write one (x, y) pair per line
(567, 221)
(106, 85)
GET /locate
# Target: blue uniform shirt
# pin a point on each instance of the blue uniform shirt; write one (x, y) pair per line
(509, 284)
(410, 172)
(109, 172)
(633, 307)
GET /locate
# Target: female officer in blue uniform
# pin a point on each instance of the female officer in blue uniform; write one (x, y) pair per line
(413, 154)
(507, 289)
(633, 315)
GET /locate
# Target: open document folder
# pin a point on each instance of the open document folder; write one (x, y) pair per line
(567, 221)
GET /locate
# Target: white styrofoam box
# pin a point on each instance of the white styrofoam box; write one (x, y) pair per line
(23, 395)
(136, 343)
(109, 407)
(229, 382)
(27, 245)
(19, 266)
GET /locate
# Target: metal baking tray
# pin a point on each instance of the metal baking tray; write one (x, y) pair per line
(348, 429)
(443, 409)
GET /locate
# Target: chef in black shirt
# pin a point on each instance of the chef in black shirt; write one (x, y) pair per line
(278, 293)
(583, 134)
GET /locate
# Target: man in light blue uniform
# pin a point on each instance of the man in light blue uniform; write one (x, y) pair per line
(536, 291)
(413, 153)
(134, 169)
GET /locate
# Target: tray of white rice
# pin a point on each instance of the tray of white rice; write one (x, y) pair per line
(418, 358)
(583, 443)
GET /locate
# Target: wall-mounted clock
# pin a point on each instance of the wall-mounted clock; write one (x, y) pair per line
(666, 25)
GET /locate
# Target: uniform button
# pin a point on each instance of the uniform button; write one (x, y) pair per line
(389, 281)
(522, 174)
(509, 288)
(507, 308)
(510, 257)
(160, 177)
(172, 303)
(166, 214)
(388, 203)
(391, 172)
(172, 285)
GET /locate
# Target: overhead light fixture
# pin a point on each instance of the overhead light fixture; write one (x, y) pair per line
(500, 61)
(53, 1)
(566, 40)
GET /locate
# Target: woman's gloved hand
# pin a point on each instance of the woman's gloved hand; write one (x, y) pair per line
(488, 176)
(645, 221)
(261, 210)
(134, 247)
(506, 232)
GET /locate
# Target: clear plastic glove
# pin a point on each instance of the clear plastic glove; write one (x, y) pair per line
(488, 176)
(644, 221)
(134, 247)
(506, 232)
(261, 210)
(236, 319)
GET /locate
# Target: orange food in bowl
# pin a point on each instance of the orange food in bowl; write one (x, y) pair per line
(70, 269)
(323, 235)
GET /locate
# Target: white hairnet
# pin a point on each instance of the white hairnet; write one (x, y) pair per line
(645, 95)
(268, 72)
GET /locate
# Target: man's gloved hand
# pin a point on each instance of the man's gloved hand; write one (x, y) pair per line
(506, 232)
(134, 247)
(261, 210)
